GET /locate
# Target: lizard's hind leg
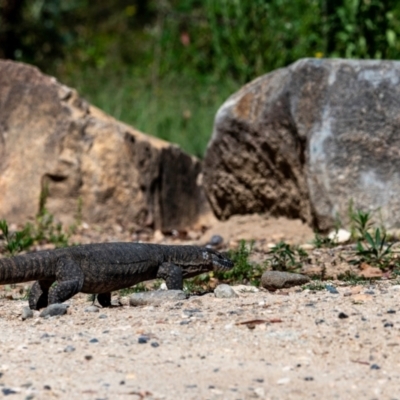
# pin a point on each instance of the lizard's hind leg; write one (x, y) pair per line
(39, 294)
(104, 299)
(69, 280)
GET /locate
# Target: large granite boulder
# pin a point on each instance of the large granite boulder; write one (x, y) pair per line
(306, 140)
(54, 142)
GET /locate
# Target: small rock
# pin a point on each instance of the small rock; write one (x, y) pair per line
(307, 246)
(375, 366)
(273, 280)
(224, 291)
(156, 297)
(216, 240)
(54, 309)
(102, 316)
(88, 357)
(342, 315)
(143, 339)
(92, 309)
(245, 289)
(259, 392)
(69, 349)
(283, 381)
(26, 313)
(331, 289)
(7, 391)
(155, 344)
(340, 236)
(391, 311)
(388, 325)
(94, 340)
(308, 378)
(116, 303)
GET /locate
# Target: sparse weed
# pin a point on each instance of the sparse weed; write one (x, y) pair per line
(315, 286)
(244, 271)
(320, 241)
(376, 252)
(140, 287)
(360, 221)
(16, 241)
(286, 258)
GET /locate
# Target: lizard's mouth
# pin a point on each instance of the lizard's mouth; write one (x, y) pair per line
(222, 264)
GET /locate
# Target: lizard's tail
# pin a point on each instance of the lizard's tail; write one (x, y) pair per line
(24, 268)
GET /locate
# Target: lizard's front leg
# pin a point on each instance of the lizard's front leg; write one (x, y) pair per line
(39, 293)
(70, 279)
(172, 274)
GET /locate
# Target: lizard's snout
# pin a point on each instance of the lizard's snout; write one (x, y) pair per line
(221, 263)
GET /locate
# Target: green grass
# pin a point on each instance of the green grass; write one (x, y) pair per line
(176, 108)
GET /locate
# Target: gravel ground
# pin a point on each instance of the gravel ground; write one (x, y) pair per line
(304, 344)
(290, 344)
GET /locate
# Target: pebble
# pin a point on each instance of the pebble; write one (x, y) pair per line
(155, 344)
(224, 291)
(7, 391)
(26, 313)
(102, 316)
(69, 349)
(156, 297)
(94, 340)
(54, 309)
(92, 309)
(216, 240)
(331, 289)
(273, 280)
(340, 236)
(375, 366)
(143, 339)
(342, 315)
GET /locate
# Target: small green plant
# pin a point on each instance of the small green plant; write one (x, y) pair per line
(315, 286)
(140, 287)
(285, 258)
(376, 251)
(46, 230)
(320, 241)
(360, 222)
(17, 241)
(244, 271)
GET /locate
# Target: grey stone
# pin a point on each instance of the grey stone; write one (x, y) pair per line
(224, 291)
(156, 297)
(54, 309)
(26, 313)
(273, 280)
(305, 140)
(92, 309)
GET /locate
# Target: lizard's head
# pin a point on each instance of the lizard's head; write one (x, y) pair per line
(219, 261)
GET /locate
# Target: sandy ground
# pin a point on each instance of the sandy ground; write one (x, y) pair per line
(304, 344)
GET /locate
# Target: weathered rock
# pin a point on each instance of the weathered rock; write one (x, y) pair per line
(273, 280)
(54, 309)
(305, 140)
(156, 297)
(340, 236)
(53, 142)
(224, 291)
(26, 313)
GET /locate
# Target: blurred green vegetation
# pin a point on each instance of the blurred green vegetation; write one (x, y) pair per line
(165, 66)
